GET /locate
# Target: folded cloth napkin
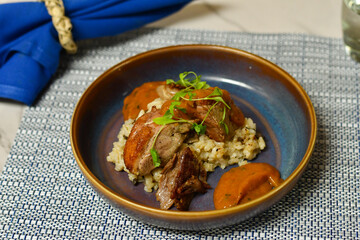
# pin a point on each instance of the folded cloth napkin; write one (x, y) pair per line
(29, 45)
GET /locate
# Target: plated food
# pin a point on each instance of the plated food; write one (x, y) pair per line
(279, 106)
(175, 132)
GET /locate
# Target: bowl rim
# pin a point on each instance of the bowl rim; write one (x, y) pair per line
(127, 203)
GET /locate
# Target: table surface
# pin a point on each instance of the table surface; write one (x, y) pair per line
(320, 18)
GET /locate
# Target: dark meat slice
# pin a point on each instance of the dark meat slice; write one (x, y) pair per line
(170, 139)
(182, 177)
(137, 157)
(215, 127)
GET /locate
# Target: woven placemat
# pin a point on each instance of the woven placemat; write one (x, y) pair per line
(44, 195)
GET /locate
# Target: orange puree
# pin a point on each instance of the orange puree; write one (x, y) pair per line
(245, 183)
(139, 99)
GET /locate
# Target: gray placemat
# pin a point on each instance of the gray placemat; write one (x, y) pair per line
(44, 195)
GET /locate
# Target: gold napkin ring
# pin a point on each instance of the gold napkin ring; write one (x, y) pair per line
(62, 24)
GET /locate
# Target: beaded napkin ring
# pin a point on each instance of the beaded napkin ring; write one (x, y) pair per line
(62, 24)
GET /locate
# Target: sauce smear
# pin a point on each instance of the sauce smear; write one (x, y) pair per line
(245, 183)
(139, 99)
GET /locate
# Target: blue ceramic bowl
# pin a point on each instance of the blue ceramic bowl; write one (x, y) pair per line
(271, 97)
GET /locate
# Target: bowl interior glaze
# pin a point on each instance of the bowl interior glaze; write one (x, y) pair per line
(278, 105)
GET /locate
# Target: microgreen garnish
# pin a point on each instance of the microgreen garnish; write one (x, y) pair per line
(155, 157)
(194, 83)
(190, 82)
(167, 119)
(216, 92)
(154, 154)
(223, 123)
(174, 105)
(199, 128)
(179, 95)
(215, 96)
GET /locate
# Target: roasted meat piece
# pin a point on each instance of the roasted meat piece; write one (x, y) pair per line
(137, 155)
(182, 177)
(215, 129)
(200, 109)
(170, 139)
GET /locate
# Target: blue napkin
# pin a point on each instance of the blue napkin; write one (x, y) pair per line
(29, 46)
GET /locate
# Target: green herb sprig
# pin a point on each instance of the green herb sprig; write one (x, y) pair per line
(187, 94)
(192, 83)
(154, 154)
(222, 123)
